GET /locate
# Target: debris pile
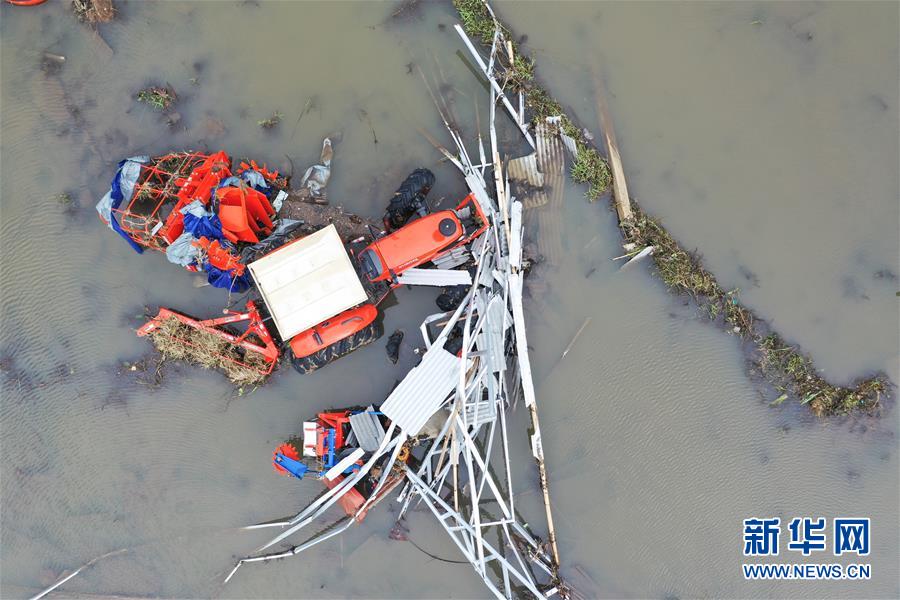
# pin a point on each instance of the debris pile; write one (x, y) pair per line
(159, 97)
(443, 432)
(316, 273)
(176, 341)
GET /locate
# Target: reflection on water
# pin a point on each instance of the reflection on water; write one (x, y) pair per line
(765, 135)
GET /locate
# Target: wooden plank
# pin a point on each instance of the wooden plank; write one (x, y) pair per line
(620, 186)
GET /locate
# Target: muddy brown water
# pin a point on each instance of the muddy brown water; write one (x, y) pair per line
(764, 135)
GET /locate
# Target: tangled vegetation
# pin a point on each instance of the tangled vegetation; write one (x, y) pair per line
(177, 341)
(160, 98)
(783, 365)
(589, 166)
(270, 122)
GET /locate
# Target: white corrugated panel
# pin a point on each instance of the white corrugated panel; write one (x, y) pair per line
(423, 390)
(368, 430)
(435, 277)
(307, 281)
(525, 168)
(492, 336)
(452, 259)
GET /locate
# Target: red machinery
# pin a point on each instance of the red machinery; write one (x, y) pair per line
(152, 217)
(310, 288)
(318, 453)
(423, 240)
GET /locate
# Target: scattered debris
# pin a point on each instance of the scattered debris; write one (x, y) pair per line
(519, 78)
(270, 122)
(160, 98)
(93, 11)
(446, 420)
(575, 337)
(235, 222)
(393, 346)
(64, 199)
(86, 565)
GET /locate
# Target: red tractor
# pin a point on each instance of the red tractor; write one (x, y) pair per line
(316, 292)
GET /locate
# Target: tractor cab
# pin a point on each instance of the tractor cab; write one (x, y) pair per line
(422, 240)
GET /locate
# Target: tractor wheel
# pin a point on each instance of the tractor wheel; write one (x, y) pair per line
(340, 348)
(408, 197)
(451, 297)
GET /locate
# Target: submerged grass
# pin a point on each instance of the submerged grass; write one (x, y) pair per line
(783, 365)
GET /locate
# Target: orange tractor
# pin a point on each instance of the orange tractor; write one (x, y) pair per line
(313, 294)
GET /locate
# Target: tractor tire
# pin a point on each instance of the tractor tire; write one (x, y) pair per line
(451, 297)
(408, 197)
(339, 349)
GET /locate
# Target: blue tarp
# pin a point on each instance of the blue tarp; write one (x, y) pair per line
(200, 222)
(226, 279)
(120, 189)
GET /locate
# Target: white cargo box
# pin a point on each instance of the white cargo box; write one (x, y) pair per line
(307, 282)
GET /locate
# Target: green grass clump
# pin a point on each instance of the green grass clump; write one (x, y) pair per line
(792, 371)
(476, 19)
(783, 365)
(160, 98)
(270, 122)
(591, 168)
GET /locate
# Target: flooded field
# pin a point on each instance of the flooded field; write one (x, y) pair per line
(763, 135)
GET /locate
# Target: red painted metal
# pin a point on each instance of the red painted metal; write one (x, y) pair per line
(255, 327)
(333, 330)
(422, 240)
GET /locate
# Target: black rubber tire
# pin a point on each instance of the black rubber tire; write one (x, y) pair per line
(339, 349)
(451, 297)
(408, 196)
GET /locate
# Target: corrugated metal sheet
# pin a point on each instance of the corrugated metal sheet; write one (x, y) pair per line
(435, 277)
(525, 168)
(486, 411)
(552, 163)
(492, 335)
(423, 390)
(368, 430)
(452, 259)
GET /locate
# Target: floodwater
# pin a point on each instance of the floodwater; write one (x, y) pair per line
(764, 135)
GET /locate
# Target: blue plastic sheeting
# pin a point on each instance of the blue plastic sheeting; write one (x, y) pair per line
(182, 251)
(226, 279)
(121, 189)
(201, 223)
